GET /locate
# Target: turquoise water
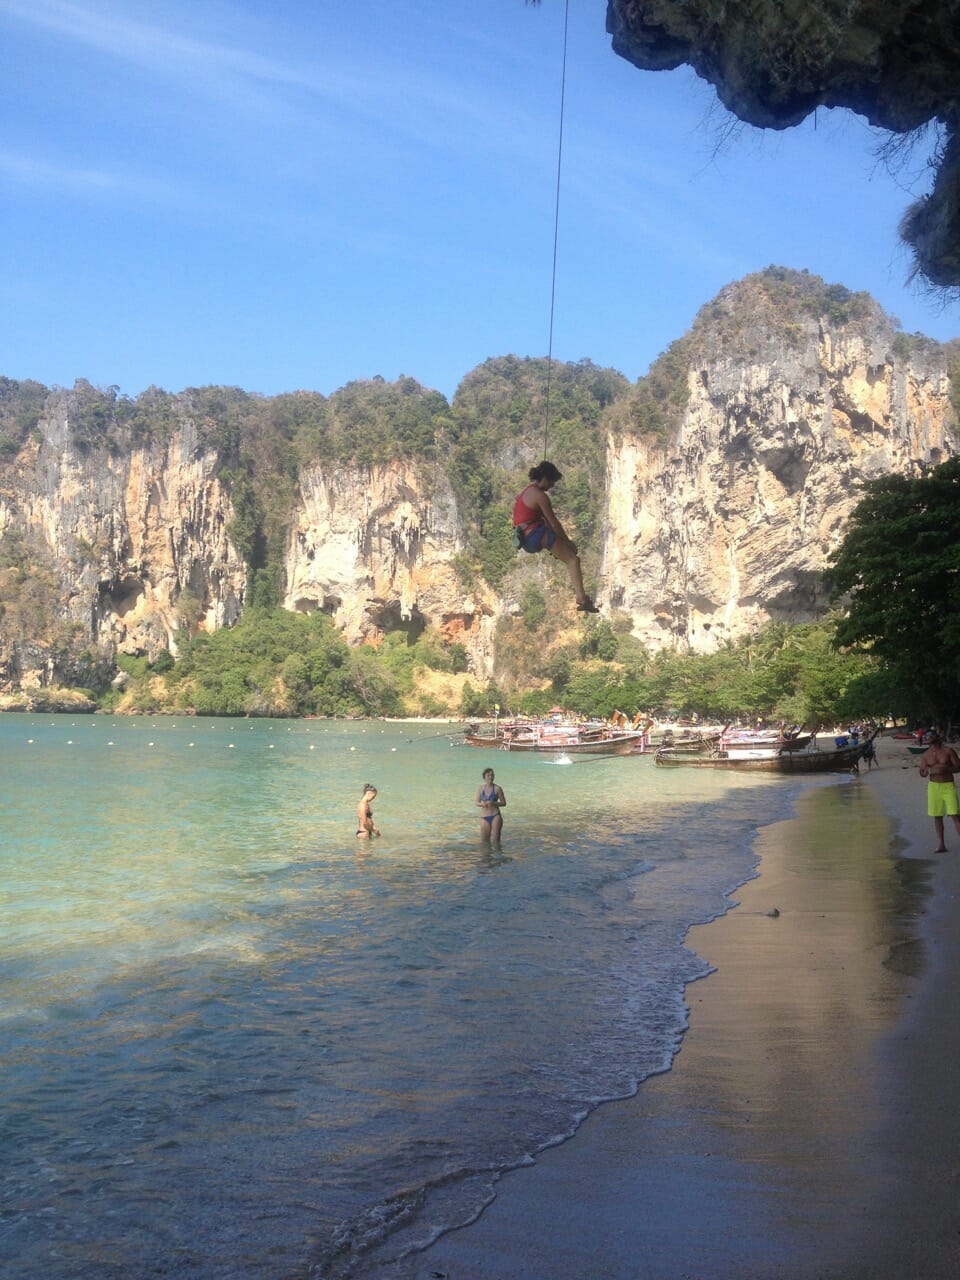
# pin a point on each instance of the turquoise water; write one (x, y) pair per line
(237, 1042)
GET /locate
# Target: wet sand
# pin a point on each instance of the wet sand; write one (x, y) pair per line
(810, 1124)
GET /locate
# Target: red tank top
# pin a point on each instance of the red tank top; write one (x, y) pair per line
(522, 514)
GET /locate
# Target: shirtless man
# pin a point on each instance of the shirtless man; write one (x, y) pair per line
(938, 764)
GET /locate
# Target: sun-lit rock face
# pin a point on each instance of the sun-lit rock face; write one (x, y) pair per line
(137, 539)
(896, 62)
(729, 524)
(374, 547)
(718, 514)
(136, 546)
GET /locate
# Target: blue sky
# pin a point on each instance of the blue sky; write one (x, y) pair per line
(286, 194)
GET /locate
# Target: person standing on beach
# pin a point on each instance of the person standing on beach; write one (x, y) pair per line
(365, 825)
(490, 797)
(938, 764)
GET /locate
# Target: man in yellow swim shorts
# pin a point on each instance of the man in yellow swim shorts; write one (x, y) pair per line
(938, 764)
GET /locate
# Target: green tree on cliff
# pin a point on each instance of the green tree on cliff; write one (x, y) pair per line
(897, 574)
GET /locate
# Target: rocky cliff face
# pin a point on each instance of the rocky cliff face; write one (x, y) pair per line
(137, 540)
(785, 400)
(374, 547)
(136, 546)
(730, 524)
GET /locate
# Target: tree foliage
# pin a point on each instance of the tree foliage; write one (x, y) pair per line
(897, 573)
(279, 663)
(655, 405)
(509, 413)
(21, 404)
(782, 673)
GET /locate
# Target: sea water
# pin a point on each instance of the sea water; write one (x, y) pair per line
(238, 1042)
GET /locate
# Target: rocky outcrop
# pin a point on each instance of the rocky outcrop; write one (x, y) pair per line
(730, 473)
(374, 547)
(896, 62)
(137, 548)
(138, 538)
(729, 524)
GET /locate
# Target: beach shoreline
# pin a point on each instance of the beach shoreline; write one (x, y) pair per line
(807, 1127)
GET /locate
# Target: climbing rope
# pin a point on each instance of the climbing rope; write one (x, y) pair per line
(556, 226)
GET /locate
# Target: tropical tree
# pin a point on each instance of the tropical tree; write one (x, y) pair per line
(897, 573)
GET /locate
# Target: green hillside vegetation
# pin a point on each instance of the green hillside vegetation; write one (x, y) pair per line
(501, 424)
(776, 304)
(21, 404)
(656, 403)
(276, 663)
(505, 416)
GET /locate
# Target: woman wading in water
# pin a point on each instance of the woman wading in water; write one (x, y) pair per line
(365, 826)
(490, 797)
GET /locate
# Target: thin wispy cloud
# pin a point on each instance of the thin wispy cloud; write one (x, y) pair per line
(264, 86)
(156, 48)
(110, 186)
(371, 187)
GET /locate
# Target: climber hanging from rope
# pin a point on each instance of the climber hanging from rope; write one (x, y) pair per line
(535, 527)
(534, 524)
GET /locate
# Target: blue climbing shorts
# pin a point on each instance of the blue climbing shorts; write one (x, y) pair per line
(541, 537)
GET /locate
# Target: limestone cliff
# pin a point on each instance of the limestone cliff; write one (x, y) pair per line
(374, 547)
(730, 471)
(133, 537)
(134, 544)
(728, 523)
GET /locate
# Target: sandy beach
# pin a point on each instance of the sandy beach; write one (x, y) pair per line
(809, 1126)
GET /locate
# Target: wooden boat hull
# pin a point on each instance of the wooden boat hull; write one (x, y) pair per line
(760, 742)
(623, 745)
(841, 760)
(590, 739)
(692, 746)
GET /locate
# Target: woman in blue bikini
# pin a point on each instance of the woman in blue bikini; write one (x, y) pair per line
(490, 798)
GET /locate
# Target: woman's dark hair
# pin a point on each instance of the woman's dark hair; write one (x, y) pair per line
(545, 471)
(368, 786)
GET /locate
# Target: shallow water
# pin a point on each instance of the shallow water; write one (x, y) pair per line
(240, 1043)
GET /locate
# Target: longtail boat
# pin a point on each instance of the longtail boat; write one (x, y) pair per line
(694, 742)
(780, 738)
(772, 760)
(621, 743)
(476, 737)
(589, 738)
